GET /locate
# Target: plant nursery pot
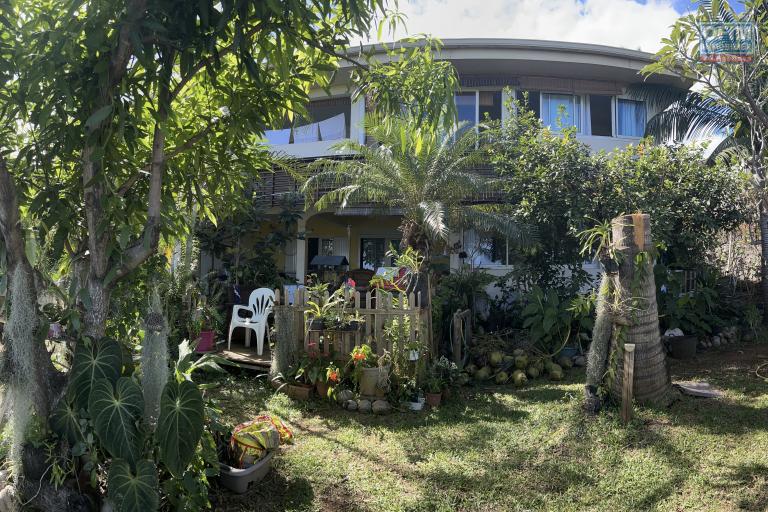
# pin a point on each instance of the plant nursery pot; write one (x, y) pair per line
(369, 381)
(300, 391)
(316, 325)
(416, 406)
(682, 347)
(238, 480)
(413, 355)
(206, 343)
(322, 389)
(433, 399)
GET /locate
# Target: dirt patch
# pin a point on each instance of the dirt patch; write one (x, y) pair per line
(731, 358)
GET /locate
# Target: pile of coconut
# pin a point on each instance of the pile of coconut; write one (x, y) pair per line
(517, 367)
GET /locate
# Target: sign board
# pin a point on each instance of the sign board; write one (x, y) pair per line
(727, 42)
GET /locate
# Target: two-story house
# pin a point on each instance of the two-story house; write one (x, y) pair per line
(589, 81)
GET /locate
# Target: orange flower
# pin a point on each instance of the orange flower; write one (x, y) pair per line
(333, 376)
(359, 357)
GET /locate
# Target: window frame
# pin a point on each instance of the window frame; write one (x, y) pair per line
(581, 124)
(613, 115)
(616, 99)
(477, 91)
(388, 239)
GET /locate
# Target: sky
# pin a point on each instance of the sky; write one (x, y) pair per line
(634, 24)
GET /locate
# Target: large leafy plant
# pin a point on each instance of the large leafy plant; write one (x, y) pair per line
(103, 413)
(553, 322)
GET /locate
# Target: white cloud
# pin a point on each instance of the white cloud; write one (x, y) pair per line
(624, 23)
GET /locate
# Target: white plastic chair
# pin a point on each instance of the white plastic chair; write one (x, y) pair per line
(260, 305)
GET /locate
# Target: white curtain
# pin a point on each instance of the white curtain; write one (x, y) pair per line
(278, 136)
(307, 133)
(333, 128)
(341, 247)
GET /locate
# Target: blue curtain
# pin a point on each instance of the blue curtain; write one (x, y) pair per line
(631, 118)
(550, 111)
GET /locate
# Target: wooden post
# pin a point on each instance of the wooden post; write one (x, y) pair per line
(628, 382)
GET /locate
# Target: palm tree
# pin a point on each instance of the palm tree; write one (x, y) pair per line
(430, 175)
(687, 115)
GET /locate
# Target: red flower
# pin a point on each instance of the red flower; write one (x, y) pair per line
(333, 376)
(351, 282)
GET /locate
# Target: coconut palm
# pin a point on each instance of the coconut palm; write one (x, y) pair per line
(685, 115)
(429, 175)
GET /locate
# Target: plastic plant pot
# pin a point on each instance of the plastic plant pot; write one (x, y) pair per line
(238, 480)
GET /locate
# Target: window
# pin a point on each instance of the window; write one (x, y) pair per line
(630, 118)
(534, 100)
(561, 111)
(326, 247)
(373, 252)
(473, 107)
(489, 105)
(486, 251)
(466, 108)
(600, 118)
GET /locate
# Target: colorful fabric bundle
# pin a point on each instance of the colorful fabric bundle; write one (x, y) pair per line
(254, 438)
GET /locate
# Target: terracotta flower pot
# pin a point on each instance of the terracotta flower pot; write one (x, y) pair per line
(322, 389)
(433, 399)
(300, 391)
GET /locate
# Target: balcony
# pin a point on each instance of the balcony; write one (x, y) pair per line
(328, 122)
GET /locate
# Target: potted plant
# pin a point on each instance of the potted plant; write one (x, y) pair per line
(414, 349)
(370, 373)
(414, 395)
(321, 307)
(448, 373)
(434, 387)
(332, 378)
(295, 383)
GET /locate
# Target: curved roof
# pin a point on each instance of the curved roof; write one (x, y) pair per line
(530, 57)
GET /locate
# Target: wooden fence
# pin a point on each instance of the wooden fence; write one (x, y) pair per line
(375, 307)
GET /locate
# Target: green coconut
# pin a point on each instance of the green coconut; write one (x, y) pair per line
(549, 365)
(518, 352)
(471, 369)
(533, 372)
(539, 364)
(565, 362)
(521, 362)
(502, 377)
(483, 373)
(555, 372)
(462, 379)
(519, 378)
(495, 358)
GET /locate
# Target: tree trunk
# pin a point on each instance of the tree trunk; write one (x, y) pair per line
(764, 256)
(636, 287)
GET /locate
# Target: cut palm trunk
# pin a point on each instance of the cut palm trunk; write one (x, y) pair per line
(636, 288)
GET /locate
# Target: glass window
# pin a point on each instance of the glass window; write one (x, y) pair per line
(490, 105)
(372, 253)
(466, 107)
(326, 247)
(600, 115)
(630, 116)
(561, 111)
(533, 103)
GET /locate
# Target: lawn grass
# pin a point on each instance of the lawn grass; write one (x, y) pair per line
(501, 448)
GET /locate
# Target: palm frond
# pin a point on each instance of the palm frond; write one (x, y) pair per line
(657, 96)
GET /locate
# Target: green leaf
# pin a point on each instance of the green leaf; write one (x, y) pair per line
(133, 491)
(66, 422)
(115, 412)
(180, 425)
(97, 118)
(94, 360)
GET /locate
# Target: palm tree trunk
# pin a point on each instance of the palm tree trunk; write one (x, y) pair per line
(636, 287)
(764, 256)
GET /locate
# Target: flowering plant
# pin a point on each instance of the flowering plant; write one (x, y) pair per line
(312, 365)
(333, 374)
(363, 357)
